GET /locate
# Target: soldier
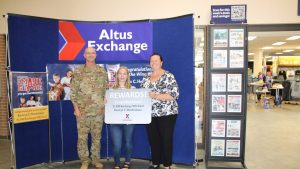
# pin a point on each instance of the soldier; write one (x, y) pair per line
(87, 95)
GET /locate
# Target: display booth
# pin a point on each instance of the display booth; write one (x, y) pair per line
(38, 43)
(227, 94)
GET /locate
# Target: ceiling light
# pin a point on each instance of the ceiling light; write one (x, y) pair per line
(251, 60)
(279, 53)
(293, 38)
(298, 47)
(268, 56)
(249, 54)
(267, 47)
(288, 51)
(278, 43)
(251, 38)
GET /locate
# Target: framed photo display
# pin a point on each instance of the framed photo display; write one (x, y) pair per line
(219, 59)
(234, 82)
(218, 103)
(236, 58)
(217, 147)
(236, 37)
(218, 82)
(218, 128)
(234, 103)
(233, 148)
(220, 38)
(233, 129)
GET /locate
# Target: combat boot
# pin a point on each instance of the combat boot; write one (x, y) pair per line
(98, 165)
(84, 165)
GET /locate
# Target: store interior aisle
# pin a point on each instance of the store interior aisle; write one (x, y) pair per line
(272, 137)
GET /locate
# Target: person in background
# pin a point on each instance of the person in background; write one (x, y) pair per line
(88, 87)
(31, 101)
(66, 82)
(262, 79)
(117, 131)
(269, 80)
(38, 101)
(22, 102)
(56, 90)
(261, 76)
(164, 94)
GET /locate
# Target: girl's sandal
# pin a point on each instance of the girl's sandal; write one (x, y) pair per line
(126, 165)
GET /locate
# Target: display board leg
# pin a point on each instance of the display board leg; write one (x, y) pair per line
(62, 132)
(107, 158)
(196, 162)
(12, 152)
(215, 167)
(244, 165)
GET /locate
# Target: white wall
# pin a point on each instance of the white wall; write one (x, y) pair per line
(259, 11)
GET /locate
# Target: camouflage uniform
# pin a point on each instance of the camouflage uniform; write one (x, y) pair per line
(87, 92)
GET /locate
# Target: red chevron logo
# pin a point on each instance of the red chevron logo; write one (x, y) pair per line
(74, 41)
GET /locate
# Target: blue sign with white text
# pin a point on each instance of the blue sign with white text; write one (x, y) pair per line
(226, 14)
(112, 41)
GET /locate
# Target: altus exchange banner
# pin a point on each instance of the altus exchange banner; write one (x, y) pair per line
(112, 41)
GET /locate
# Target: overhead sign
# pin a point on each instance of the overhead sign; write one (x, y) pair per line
(112, 41)
(128, 106)
(289, 61)
(226, 14)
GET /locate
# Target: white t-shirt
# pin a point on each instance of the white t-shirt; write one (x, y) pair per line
(30, 103)
(67, 90)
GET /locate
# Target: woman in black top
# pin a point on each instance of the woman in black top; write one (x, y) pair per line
(164, 93)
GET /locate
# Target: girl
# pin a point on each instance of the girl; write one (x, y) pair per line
(117, 131)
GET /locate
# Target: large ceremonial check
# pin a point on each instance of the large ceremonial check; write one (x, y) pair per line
(128, 106)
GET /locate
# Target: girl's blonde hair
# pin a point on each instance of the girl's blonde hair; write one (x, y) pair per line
(127, 82)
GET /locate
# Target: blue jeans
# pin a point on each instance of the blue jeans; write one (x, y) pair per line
(117, 131)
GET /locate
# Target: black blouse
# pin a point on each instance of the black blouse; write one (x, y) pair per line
(165, 84)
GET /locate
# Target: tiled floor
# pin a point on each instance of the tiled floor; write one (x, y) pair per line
(272, 142)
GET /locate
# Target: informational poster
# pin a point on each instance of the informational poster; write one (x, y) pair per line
(218, 82)
(60, 75)
(234, 103)
(233, 128)
(233, 148)
(218, 103)
(59, 80)
(236, 37)
(234, 82)
(220, 37)
(236, 58)
(218, 128)
(217, 147)
(29, 97)
(219, 59)
(128, 106)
